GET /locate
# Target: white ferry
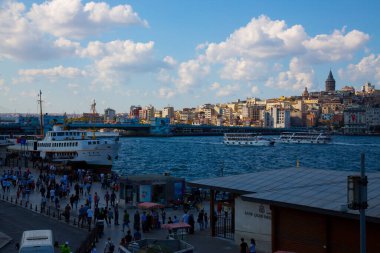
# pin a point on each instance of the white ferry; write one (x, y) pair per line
(71, 146)
(76, 146)
(304, 138)
(246, 139)
(5, 140)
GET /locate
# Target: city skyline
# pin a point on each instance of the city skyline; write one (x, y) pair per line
(179, 53)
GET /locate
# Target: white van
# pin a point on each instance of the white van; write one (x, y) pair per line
(37, 241)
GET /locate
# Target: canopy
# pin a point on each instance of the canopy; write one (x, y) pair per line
(175, 225)
(150, 205)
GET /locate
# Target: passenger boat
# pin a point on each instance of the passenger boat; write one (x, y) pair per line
(5, 140)
(76, 146)
(70, 147)
(246, 139)
(304, 138)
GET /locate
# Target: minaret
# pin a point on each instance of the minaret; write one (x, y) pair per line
(330, 83)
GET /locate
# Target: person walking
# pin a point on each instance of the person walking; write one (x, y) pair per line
(252, 246)
(65, 248)
(243, 246)
(110, 247)
(125, 220)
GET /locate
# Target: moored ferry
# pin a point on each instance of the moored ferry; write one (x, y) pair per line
(304, 138)
(246, 139)
(76, 146)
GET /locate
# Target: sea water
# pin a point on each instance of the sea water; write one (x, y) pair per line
(199, 157)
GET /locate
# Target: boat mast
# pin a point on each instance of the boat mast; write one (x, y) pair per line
(41, 118)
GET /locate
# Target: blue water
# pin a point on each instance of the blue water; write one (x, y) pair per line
(205, 156)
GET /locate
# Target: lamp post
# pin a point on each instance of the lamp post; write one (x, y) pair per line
(357, 199)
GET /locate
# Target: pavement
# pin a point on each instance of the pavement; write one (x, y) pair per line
(201, 240)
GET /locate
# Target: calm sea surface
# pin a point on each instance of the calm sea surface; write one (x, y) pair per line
(206, 156)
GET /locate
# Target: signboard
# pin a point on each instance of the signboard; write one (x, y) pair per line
(145, 193)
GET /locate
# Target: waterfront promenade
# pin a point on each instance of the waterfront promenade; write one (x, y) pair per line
(201, 240)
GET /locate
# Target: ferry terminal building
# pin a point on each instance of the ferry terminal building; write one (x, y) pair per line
(296, 210)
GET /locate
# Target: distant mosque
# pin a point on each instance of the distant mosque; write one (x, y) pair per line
(330, 83)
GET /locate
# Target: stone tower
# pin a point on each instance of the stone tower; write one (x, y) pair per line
(330, 83)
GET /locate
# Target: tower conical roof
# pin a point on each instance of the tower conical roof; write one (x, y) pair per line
(330, 77)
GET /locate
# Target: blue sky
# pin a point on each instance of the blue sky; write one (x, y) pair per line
(179, 53)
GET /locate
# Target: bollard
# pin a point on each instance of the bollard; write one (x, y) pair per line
(11, 200)
(26, 204)
(75, 221)
(54, 214)
(36, 208)
(59, 215)
(7, 198)
(31, 206)
(20, 202)
(16, 201)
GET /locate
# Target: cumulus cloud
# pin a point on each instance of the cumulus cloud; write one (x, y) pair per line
(51, 73)
(227, 90)
(298, 76)
(4, 89)
(336, 46)
(260, 38)
(368, 67)
(20, 39)
(257, 50)
(190, 74)
(243, 69)
(255, 90)
(72, 19)
(166, 93)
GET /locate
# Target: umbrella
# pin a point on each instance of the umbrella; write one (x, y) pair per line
(175, 225)
(150, 205)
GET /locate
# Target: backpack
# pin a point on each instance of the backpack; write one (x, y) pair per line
(112, 247)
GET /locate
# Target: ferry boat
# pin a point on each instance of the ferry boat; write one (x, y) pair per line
(5, 140)
(247, 139)
(73, 146)
(304, 138)
(70, 147)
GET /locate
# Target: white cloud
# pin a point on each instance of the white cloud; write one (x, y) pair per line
(4, 89)
(243, 69)
(72, 19)
(52, 73)
(190, 74)
(260, 38)
(166, 93)
(298, 76)
(368, 67)
(227, 90)
(20, 39)
(170, 61)
(336, 46)
(214, 86)
(255, 90)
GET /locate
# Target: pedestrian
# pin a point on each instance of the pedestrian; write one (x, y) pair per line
(200, 219)
(116, 211)
(110, 247)
(128, 237)
(107, 198)
(252, 246)
(206, 220)
(243, 246)
(65, 248)
(125, 220)
(163, 215)
(110, 216)
(90, 215)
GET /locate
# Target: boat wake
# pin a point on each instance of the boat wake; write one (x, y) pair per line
(355, 144)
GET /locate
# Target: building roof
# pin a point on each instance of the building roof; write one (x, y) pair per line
(149, 177)
(300, 188)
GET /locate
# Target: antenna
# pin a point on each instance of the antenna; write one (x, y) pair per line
(41, 117)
